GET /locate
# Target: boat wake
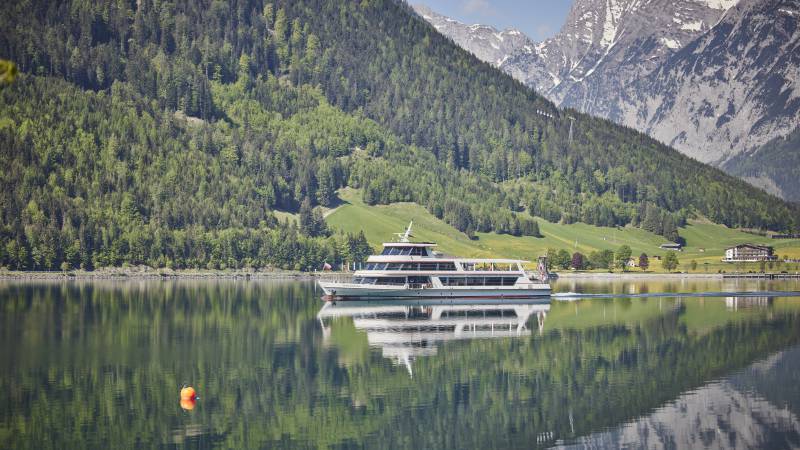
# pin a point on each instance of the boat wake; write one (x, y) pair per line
(572, 296)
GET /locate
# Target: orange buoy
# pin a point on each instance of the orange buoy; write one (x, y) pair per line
(188, 404)
(188, 393)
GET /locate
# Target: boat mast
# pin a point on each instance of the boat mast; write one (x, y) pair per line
(403, 237)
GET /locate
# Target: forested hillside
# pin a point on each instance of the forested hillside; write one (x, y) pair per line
(166, 133)
(778, 161)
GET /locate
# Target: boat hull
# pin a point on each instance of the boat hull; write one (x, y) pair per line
(334, 291)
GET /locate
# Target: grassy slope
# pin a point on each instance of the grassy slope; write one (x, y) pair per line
(380, 222)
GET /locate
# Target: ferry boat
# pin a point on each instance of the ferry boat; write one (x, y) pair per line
(413, 270)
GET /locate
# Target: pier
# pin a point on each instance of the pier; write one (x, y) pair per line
(763, 276)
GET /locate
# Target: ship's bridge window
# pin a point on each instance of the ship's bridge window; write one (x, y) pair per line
(376, 266)
(403, 251)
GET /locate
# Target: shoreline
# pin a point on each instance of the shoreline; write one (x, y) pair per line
(635, 276)
(167, 274)
(121, 274)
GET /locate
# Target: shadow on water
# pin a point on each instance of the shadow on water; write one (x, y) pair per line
(98, 365)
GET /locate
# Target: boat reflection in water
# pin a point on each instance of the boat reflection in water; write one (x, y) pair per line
(407, 330)
(737, 302)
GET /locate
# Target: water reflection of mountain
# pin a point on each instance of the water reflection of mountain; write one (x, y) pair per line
(735, 412)
(76, 355)
(406, 332)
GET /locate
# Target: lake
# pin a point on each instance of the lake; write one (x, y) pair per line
(101, 364)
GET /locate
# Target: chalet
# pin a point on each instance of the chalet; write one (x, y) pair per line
(749, 253)
(671, 246)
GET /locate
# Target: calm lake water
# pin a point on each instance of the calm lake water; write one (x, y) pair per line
(100, 365)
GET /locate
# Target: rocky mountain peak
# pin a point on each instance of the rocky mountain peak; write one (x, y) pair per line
(712, 78)
(485, 42)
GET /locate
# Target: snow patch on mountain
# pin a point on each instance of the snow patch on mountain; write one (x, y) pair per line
(692, 26)
(719, 4)
(671, 43)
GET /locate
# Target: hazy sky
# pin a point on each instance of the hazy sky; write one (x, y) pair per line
(538, 19)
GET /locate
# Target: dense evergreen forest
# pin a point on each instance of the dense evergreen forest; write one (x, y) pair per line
(780, 152)
(167, 133)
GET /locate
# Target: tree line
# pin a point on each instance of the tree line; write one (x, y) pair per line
(133, 122)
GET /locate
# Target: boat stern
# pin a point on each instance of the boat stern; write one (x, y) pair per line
(328, 287)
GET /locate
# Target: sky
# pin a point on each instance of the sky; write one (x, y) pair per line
(539, 19)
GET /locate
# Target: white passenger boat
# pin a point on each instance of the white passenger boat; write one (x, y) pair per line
(413, 270)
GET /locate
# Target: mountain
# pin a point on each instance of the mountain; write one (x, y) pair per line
(486, 43)
(763, 167)
(713, 79)
(174, 133)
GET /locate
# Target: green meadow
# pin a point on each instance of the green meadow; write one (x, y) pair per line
(705, 242)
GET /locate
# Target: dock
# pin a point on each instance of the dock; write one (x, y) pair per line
(763, 276)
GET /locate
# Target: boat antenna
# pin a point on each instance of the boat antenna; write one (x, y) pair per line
(403, 237)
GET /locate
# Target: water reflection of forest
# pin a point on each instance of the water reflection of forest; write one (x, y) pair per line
(269, 375)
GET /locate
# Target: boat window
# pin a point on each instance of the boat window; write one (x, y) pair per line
(468, 266)
(456, 281)
(418, 251)
(410, 266)
(366, 280)
(419, 279)
(406, 251)
(494, 281)
(474, 281)
(392, 281)
(446, 266)
(509, 281)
